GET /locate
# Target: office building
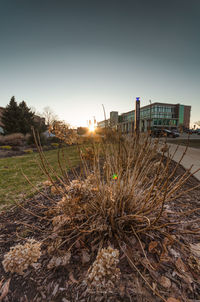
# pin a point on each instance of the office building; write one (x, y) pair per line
(155, 115)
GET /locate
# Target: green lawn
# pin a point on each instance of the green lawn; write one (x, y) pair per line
(193, 143)
(14, 186)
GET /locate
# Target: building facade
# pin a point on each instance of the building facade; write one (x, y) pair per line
(155, 115)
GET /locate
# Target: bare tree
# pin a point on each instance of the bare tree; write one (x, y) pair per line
(197, 123)
(49, 115)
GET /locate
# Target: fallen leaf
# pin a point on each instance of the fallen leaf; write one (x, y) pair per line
(121, 290)
(164, 257)
(54, 190)
(5, 289)
(72, 279)
(55, 290)
(195, 249)
(152, 246)
(180, 265)
(165, 282)
(77, 244)
(36, 265)
(1, 282)
(174, 253)
(173, 300)
(66, 258)
(85, 257)
(47, 183)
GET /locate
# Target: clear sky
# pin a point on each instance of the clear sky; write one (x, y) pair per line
(76, 55)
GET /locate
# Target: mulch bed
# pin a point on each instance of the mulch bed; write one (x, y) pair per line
(173, 277)
(21, 150)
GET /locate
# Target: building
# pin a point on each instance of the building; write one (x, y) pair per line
(155, 115)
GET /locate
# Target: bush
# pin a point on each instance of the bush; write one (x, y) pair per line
(6, 147)
(15, 139)
(56, 145)
(15, 148)
(28, 151)
(52, 139)
(31, 140)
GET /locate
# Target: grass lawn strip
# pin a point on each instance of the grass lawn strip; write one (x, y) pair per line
(14, 186)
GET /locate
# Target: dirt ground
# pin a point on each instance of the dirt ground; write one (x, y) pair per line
(173, 272)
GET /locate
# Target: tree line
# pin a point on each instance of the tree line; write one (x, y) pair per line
(20, 118)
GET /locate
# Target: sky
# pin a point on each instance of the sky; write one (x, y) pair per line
(76, 55)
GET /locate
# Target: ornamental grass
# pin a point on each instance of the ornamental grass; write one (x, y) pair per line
(120, 194)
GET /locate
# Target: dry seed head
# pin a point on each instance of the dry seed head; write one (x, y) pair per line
(21, 256)
(59, 261)
(103, 275)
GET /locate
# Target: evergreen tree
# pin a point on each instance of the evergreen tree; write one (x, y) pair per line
(26, 120)
(17, 118)
(10, 117)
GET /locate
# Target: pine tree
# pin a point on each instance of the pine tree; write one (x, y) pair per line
(10, 117)
(17, 118)
(26, 120)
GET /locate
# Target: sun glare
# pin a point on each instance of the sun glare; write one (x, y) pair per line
(91, 128)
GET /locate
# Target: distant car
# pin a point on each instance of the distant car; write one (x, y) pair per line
(175, 133)
(189, 131)
(164, 133)
(157, 133)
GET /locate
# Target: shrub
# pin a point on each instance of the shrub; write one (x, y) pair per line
(28, 151)
(122, 198)
(15, 139)
(6, 147)
(31, 139)
(55, 145)
(53, 139)
(133, 201)
(15, 148)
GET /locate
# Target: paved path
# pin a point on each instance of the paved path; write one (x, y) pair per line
(192, 157)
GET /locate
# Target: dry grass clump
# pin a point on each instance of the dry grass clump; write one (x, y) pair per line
(123, 196)
(103, 276)
(130, 203)
(21, 256)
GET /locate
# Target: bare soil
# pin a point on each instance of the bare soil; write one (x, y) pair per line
(175, 274)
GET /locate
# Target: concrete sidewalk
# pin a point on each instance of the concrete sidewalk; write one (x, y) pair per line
(192, 157)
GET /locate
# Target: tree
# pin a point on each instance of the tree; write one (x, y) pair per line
(10, 117)
(17, 118)
(26, 118)
(197, 123)
(49, 115)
